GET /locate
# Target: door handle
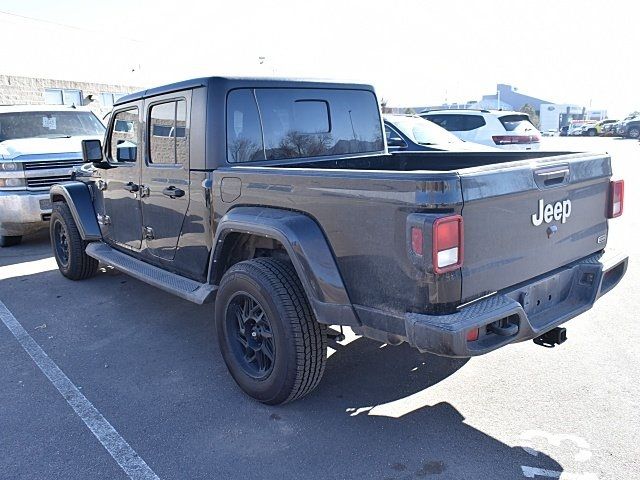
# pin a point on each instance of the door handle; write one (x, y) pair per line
(173, 192)
(131, 187)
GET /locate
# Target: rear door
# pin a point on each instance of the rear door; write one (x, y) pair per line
(165, 173)
(528, 218)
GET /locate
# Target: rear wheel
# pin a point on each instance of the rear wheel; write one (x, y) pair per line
(273, 346)
(68, 246)
(592, 132)
(634, 132)
(10, 240)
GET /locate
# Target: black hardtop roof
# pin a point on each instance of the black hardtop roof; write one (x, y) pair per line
(229, 83)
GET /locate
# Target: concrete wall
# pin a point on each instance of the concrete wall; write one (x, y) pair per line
(28, 90)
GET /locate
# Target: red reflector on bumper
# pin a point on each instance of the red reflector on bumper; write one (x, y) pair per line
(472, 335)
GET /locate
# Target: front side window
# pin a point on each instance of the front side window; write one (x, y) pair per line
(168, 133)
(48, 124)
(125, 137)
(299, 123)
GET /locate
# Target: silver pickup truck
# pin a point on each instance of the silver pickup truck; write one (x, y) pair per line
(39, 146)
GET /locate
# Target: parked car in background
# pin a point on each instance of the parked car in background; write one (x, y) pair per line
(411, 133)
(575, 129)
(39, 146)
(630, 128)
(596, 128)
(495, 128)
(609, 129)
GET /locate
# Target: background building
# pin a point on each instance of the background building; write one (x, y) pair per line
(99, 97)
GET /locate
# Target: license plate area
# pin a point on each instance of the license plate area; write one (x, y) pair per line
(546, 294)
(45, 204)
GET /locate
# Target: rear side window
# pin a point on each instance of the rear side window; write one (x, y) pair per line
(244, 135)
(457, 123)
(298, 123)
(168, 138)
(473, 121)
(516, 123)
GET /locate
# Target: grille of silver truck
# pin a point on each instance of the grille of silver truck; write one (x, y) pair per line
(48, 164)
(46, 182)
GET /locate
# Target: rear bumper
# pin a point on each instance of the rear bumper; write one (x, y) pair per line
(23, 212)
(534, 307)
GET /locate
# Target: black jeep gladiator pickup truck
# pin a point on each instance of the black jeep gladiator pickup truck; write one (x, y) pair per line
(278, 200)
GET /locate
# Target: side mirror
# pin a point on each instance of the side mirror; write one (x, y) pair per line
(396, 142)
(91, 151)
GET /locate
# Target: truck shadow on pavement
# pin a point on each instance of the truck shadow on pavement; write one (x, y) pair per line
(151, 363)
(35, 246)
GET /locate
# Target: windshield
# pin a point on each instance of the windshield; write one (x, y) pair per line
(517, 123)
(423, 131)
(48, 125)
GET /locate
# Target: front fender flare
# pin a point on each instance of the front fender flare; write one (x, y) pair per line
(78, 197)
(308, 250)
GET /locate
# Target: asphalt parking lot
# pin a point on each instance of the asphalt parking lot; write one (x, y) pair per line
(149, 365)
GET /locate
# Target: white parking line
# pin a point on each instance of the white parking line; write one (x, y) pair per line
(133, 465)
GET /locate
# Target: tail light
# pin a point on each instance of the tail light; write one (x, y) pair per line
(447, 244)
(515, 139)
(616, 198)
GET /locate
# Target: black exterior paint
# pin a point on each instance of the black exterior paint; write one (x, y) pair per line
(344, 220)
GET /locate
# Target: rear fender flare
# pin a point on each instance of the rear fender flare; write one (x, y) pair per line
(78, 197)
(308, 250)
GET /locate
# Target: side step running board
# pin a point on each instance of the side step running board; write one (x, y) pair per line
(169, 282)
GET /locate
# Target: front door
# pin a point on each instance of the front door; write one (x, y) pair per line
(122, 220)
(165, 174)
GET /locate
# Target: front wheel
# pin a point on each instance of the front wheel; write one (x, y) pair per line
(272, 344)
(634, 132)
(68, 246)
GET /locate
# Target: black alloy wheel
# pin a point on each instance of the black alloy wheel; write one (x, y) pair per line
(249, 326)
(60, 242)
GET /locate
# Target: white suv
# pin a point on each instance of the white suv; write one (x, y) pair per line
(496, 128)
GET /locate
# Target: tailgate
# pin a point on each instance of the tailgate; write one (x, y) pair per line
(528, 218)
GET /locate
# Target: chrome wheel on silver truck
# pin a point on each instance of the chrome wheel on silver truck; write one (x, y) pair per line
(273, 346)
(68, 246)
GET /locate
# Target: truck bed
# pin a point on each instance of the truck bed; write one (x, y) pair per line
(363, 206)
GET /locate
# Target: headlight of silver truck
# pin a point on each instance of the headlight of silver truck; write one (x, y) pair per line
(9, 166)
(12, 182)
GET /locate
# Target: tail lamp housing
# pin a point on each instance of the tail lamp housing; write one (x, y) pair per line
(447, 243)
(616, 198)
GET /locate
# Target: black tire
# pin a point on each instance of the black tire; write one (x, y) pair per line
(634, 132)
(10, 240)
(68, 246)
(286, 328)
(592, 132)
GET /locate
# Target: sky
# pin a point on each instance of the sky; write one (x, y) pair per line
(414, 52)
